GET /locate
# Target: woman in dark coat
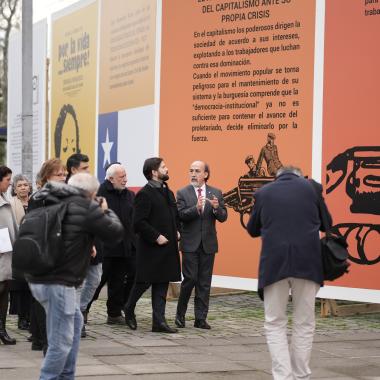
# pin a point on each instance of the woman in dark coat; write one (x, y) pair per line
(20, 300)
(156, 223)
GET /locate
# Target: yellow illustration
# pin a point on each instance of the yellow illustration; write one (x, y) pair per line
(73, 100)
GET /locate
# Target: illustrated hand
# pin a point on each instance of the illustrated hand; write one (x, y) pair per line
(161, 240)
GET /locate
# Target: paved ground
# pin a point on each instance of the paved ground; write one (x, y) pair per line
(344, 348)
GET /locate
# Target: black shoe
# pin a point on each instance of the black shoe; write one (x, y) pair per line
(130, 321)
(83, 333)
(37, 346)
(180, 321)
(201, 324)
(164, 328)
(23, 324)
(4, 337)
(30, 338)
(119, 320)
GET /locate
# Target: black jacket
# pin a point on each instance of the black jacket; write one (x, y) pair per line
(83, 221)
(156, 214)
(121, 203)
(286, 216)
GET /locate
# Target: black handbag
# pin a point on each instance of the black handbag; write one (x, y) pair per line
(334, 256)
(334, 248)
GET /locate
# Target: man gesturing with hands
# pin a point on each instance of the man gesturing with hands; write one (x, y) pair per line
(199, 206)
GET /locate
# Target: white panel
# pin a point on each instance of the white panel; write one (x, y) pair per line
(157, 77)
(331, 292)
(14, 146)
(136, 141)
(318, 90)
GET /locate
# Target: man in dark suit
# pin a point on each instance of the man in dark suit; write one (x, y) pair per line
(119, 261)
(199, 206)
(286, 214)
(156, 224)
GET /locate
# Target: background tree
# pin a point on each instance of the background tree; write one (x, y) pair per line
(9, 19)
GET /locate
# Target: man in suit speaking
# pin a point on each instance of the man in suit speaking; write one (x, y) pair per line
(199, 206)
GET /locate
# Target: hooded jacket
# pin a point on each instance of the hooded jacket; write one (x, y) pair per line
(84, 220)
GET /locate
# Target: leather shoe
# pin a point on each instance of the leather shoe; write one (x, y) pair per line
(201, 324)
(164, 328)
(180, 321)
(130, 321)
(119, 320)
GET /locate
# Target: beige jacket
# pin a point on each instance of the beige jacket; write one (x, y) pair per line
(7, 219)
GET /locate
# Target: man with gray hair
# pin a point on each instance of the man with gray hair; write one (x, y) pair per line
(86, 182)
(84, 219)
(286, 214)
(119, 261)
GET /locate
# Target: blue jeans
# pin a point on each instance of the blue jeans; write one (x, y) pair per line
(63, 324)
(86, 291)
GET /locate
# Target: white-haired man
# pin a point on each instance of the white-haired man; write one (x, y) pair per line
(119, 261)
(287, 216)
(84, 219)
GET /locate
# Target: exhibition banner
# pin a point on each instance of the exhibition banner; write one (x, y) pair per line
(74, 81)
(237, 92)
(127, 63)
(351, 143)
(14, 128)
(247, 86)
(127, 40)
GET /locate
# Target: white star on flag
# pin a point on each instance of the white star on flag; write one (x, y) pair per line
(107, 146)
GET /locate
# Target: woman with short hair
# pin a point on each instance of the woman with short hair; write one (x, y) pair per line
(20, 294)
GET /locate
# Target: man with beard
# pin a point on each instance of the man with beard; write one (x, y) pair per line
(156, 223)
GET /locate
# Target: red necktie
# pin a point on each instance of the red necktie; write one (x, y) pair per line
(199, 195)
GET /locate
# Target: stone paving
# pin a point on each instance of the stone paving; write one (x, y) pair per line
(344, 348)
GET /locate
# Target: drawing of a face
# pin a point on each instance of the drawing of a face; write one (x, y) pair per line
(66, 134)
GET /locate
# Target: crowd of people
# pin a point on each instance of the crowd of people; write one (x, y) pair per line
(132, 242)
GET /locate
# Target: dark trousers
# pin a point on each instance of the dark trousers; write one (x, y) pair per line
(159, 291)
(4, 298)
(20, 303)
(119, 273)
(197, 272)
(38, 323)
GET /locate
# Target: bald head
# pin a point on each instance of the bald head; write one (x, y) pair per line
(199, 173)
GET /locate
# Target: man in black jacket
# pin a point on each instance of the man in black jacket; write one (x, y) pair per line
(286, 214)
(156, 223)
(55, 290)
(119, 261)
(79, 163)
